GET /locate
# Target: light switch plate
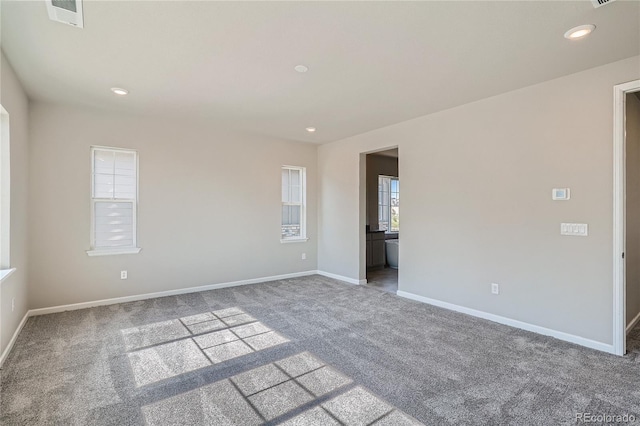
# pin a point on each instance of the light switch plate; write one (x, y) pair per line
(574, 229)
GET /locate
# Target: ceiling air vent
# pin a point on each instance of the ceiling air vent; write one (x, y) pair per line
(66, 11)
(600, 3)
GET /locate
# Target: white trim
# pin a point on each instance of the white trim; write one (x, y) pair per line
(633, 323)
(294, 240)
(619, 315)
(135, 298)
(7, 350)
(5, 273)
(341, 278)
(302, 203)
(106, 252)
(5, 188)
(511, 322)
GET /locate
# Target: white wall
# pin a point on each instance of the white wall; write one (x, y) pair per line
(632, 243)
(14, 100)
(209, 206)
(477, 208)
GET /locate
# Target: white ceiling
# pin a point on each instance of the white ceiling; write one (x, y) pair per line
(371, 64)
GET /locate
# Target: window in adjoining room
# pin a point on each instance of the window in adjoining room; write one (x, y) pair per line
(388, 203)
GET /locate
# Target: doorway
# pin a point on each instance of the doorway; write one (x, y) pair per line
(382, 219)
(626, 332)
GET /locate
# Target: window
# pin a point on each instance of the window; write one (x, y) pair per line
(293, 204)
(5, 196)
(389, 203)
(114, 199)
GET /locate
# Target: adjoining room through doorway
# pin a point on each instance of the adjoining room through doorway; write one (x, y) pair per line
(383, 220)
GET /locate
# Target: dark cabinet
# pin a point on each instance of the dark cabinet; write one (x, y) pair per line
(375, 250)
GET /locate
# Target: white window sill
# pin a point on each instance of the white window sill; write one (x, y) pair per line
(4, 273)
(294, 240)
(107, 252)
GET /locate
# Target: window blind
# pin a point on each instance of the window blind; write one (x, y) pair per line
(113, 224)
(114, 175)
(114, 197)
(292, 202)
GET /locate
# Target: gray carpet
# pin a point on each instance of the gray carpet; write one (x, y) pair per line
(307, 351)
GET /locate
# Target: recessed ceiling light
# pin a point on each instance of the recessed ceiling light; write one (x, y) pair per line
(311, 129)
(301, 68)
(119, 91)
(579, 32)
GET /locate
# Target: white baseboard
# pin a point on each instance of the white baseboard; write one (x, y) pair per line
(135, 298)
(604, 347)
(633, 323)
(341, 278)
(7, 350)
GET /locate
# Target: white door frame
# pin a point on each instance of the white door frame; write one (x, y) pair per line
(619, 214)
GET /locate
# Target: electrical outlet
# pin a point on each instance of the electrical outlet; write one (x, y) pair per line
(304, 256)
(13, 304)
(495, 288)
(123, 275)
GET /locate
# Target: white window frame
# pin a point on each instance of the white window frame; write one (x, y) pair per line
(388, 205)
(102, 251)
(5, 195)
(302, 204)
